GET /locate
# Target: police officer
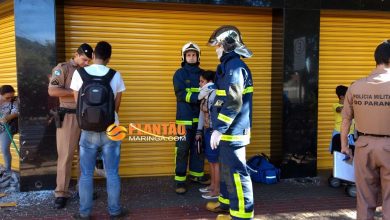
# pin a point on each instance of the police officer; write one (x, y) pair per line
(186, 86)
(232, 119)
(368, 102)
(68, 131)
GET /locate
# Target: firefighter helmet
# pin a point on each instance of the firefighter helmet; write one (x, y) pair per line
(187, 47)
(230, 38)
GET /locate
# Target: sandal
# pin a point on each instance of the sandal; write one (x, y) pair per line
(205, 189)
(210, 196)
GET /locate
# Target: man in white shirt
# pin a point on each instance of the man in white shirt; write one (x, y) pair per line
(91, 141)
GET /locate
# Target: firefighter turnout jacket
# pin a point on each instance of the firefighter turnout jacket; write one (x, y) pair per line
(232, 108)
(186, 85)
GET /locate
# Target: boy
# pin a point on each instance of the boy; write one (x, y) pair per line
(335, 144)
(91, 141)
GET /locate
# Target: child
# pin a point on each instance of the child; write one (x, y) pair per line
(335, 144)
(207, 95)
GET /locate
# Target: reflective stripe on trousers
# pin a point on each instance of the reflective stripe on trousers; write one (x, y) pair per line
(235, 179)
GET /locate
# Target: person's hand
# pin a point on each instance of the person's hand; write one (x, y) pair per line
(347, 151)
(198, 137)
(215, 139)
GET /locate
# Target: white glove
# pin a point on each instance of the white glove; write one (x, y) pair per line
(215, 138)
(205, 90)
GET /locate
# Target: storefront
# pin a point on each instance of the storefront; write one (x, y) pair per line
(147, 40)
(347, 44)
(302, 51)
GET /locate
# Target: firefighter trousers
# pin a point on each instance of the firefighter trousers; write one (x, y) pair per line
(236, 185)
(186, 153)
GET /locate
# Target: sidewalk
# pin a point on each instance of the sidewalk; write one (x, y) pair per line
(152, 198)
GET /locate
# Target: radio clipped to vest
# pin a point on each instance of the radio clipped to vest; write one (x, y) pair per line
(95, 104)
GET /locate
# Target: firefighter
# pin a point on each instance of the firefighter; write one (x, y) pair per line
(232, 120)
(186, 86)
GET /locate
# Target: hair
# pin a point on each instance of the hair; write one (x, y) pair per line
(103, 50)
(6, 89)
(208, 75)
(341, 90)
(382, 53)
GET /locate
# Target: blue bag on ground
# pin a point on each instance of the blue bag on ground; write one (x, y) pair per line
(264, 171)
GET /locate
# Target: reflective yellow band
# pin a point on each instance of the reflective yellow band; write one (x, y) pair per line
(180, 178)
(240, 193)
(241, 200)
(239, 214)
(192, 89)
(192, 173)
(188, 97)
(248, 89)
(226, 137)
(223, 200)
(181, 122)
(195, 89)
(220, 92)
(225, 118)
(195, 120)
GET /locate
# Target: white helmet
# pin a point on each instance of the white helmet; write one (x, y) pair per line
(187, 47)
(230, 38)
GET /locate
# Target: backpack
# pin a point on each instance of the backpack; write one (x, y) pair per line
(95, 103)
(264, 171)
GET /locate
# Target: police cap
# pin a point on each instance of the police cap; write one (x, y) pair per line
(85, 49)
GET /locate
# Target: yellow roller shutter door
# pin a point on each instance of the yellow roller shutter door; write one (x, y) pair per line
(147, 45)
(8, 59)
(347, 44)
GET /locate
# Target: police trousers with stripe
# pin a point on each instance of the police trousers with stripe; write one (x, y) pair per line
(186, 153)
(236, 185)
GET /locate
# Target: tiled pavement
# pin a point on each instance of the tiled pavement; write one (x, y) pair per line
(152, 198)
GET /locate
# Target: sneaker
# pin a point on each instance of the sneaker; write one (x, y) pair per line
(124, 213)
(60, 202)
(202, 180)
(223, 217)
(209, 196)
(216, 207)
(81, 217)
(181, 188)
(205, 189)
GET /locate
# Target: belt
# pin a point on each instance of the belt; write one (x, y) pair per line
(67, 110)
(373, 135)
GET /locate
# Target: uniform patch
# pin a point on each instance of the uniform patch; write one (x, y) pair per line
(57, 72)
(218, 103)
(188, 81)
(55, 82)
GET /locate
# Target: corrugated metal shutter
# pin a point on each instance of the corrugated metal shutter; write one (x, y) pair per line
(347, 44)
(147, 44)
(8, 59)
